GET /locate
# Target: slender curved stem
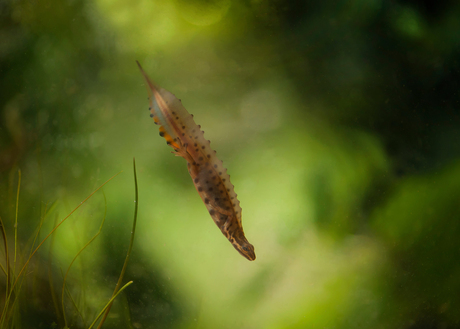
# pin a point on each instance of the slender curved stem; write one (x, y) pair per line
(131, 242)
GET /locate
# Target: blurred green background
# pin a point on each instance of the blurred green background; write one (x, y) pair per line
(339, 122)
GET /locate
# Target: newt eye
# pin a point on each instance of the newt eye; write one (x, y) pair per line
(245, 248)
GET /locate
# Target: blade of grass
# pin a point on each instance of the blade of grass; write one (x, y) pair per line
(36, 236)
(76, 256)
(3, 269)
(109, 303)
(7, 264)
(12, 312)
(50, 276)
(47, 209)
(9, 289)
(16, 217)
(131, 242)
(17, 286)
(2, 319)
(74, 305)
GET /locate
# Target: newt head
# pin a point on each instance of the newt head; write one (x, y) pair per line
(242, 245)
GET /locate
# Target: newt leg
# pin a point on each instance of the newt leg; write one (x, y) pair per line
(182, 151)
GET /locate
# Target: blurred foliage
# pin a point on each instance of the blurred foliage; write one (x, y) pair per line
(339, 122)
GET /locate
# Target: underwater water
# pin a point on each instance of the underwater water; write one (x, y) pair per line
(338, 122)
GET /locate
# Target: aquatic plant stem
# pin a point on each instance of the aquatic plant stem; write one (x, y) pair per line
(7, 263)
(131, 242)
(109, 303)
(75, 258)
(3, 316)
(16, 217)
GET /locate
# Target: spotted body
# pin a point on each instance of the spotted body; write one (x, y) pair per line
(208, 174)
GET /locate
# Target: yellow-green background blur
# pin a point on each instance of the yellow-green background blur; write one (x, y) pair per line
(338, 121)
